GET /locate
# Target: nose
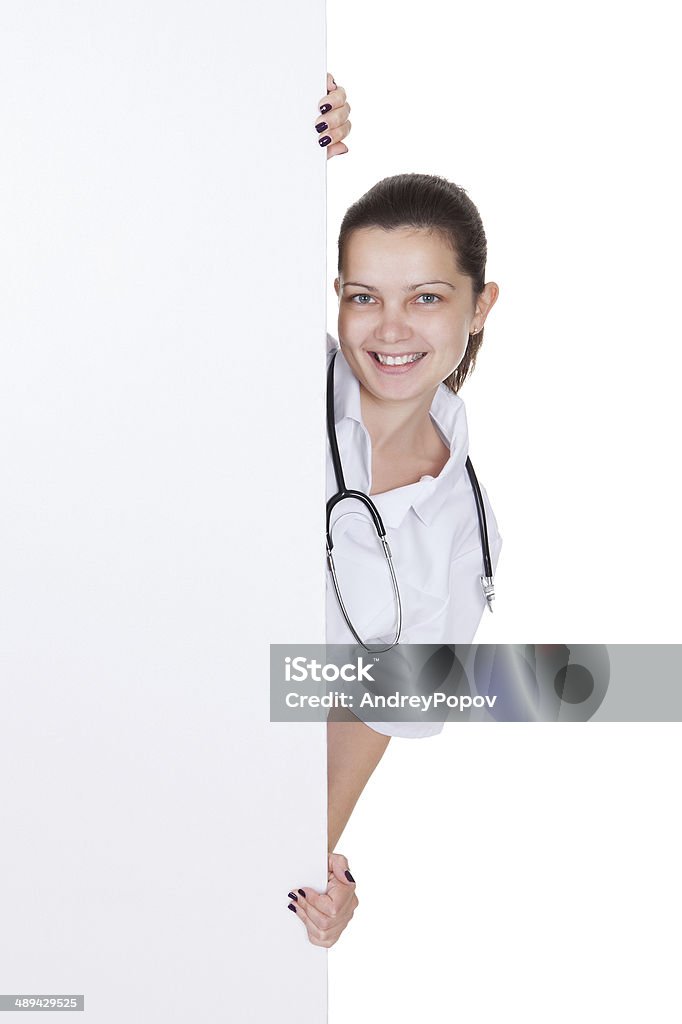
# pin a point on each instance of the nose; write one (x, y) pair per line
(393, 328)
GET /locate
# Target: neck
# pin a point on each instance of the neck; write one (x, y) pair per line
(399, 425)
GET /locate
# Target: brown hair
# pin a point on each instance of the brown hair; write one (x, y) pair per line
(433, 203)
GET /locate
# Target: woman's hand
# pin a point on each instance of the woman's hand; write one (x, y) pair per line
(331, 123)
(325, 915)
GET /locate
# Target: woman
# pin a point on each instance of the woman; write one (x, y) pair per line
(413, 301)
(412, 304)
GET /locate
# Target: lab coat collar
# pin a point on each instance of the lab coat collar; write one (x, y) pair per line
(427, 495)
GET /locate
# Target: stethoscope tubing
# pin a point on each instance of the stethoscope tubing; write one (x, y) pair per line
(344, 492)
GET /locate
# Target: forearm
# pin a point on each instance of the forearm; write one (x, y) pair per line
(353, 752)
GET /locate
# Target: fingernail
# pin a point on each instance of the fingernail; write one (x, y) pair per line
(349, 876)
(321, 127)
(325, 107)
(292, 907)
(302, 893)
(325, 140)
(292, 895)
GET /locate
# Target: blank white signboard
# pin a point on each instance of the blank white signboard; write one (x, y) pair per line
(162, 332)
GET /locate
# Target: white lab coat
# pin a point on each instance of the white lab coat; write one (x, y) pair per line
(432, 530)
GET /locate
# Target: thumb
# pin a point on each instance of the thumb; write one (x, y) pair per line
(338, 867)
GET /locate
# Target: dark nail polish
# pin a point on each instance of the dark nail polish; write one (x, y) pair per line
(292, 907)
(325, 140)
(321, 127)
(292, 895)
(325, 107)
(302, 893)
(349, 876)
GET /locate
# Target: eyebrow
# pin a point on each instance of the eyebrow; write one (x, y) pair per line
(407, 288)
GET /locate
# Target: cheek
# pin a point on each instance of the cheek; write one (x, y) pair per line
(345, 320)
(353, 333)
(456, 360)
(457, 341)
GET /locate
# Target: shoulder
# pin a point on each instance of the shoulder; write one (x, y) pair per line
(332, 347)
(332, 344)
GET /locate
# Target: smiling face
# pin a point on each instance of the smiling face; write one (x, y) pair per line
(405, 310)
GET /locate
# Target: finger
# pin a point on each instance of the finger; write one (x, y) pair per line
(318, 908)
(332, 119)
(342, 897)
(335, 135)
(338, 865)
(339, 901)
(319, 925)
(329, 935)
(334, 99)
(346, 905)
(323, 936)
(337, 149)
(319, 936)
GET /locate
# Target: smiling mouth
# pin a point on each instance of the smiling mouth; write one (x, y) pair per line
(397, 360)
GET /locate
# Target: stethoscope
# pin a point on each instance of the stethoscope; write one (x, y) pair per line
(487, 581)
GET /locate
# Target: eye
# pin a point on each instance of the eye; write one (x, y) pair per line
(423, 295)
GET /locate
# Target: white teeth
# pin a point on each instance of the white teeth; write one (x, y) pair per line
(398, 360)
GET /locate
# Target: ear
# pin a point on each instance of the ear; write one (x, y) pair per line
(485, 302)
(337, 286)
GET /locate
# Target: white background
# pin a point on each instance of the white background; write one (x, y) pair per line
(528, 870)
(156, 532)
(559, 123)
